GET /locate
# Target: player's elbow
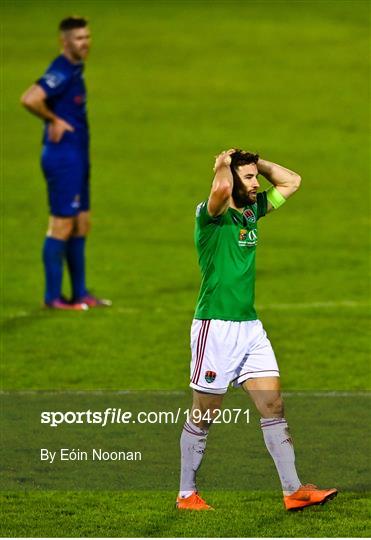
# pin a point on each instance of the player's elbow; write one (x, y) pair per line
(296, 182)
(219, 198)
(25, 100)
(29, 100)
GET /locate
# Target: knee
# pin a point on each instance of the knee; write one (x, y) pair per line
(203, 414)
(273, 408)
(202, 417)
(60, 229)
(83, 226)
(84, 229)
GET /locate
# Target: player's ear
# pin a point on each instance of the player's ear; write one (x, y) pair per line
(62, 38)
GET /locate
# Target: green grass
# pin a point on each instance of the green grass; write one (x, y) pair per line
(153, 514)
(170, 84)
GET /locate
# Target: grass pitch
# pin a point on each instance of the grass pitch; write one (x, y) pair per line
(153, 514)
(171, 84)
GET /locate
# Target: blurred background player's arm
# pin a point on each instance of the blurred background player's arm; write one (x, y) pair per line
(34, 100)
(286, 182)
(221, 189)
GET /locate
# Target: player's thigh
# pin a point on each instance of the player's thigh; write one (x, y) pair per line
(85, 185)
(60, 227)
(214, 357)
(258, 358)
(82, 224)
(204, 407)
(205, 401)
(265, 392)
(64, 174)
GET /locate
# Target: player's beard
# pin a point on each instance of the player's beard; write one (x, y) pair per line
(240, 195)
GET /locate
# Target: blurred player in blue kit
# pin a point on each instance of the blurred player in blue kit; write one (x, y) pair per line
(59, 98)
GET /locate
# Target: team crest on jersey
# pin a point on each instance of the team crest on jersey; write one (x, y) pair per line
(79, 100)
(76, 202)
(210, 376)
(247, 238)
(249, 215)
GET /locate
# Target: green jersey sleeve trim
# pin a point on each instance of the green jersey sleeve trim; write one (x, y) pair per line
(203, 217)
(262, 204)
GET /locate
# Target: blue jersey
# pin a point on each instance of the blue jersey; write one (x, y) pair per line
(64, 85)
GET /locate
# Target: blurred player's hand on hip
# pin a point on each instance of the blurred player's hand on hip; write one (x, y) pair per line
(57, 129)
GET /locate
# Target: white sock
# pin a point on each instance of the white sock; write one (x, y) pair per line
(279, 444)
(192, 448)
(185, 494)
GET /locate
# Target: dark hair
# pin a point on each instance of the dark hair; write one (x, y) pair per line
(71, 23)
(240, 157)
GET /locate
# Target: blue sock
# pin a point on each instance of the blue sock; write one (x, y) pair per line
(53, 253)
(75, 255)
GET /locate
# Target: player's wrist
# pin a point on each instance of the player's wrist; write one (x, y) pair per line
(55, 119)
(264, 167)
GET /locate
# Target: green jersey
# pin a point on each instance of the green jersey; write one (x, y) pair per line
(226, 247)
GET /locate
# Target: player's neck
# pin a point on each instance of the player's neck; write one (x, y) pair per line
(71, 58)
(232, 205)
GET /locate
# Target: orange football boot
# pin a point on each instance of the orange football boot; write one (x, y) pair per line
(193, 502)
(308, 495)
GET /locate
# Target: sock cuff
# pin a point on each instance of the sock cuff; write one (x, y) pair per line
(55, 241)
(272, 422)
(191, 428)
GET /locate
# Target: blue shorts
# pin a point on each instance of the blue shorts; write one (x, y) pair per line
(66, 170)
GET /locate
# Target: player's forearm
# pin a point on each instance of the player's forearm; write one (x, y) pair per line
(277, 175)
(223, 177)
(221, 189)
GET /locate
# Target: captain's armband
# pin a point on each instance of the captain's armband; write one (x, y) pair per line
(275, 197)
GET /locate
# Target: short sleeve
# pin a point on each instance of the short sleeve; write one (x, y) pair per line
(203, 217)
(53, 82)
(262, 204)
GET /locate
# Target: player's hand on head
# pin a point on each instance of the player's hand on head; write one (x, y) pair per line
(223, 159)
(57, 129)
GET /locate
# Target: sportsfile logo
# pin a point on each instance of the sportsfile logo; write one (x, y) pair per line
(113, 415)
(248, 237)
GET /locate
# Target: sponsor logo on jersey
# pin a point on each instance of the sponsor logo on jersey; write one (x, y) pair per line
(243, 235)
(249, 215)
(210, 376)
(53, 78)
(248, 238)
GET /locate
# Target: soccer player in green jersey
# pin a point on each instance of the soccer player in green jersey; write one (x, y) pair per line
(228, 342)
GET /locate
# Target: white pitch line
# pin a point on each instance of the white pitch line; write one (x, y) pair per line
(130, 310)
(310, 305)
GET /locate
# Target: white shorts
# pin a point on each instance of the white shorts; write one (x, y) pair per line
(229, 352)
